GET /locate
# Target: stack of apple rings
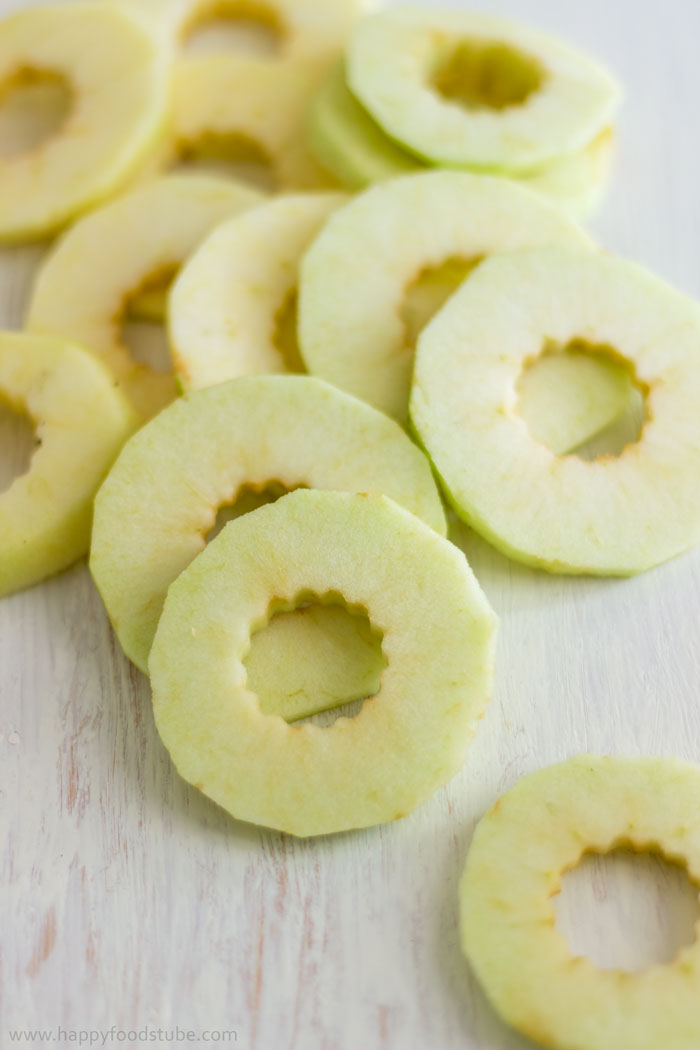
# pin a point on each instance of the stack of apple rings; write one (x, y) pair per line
(266, 521)
(423, 88)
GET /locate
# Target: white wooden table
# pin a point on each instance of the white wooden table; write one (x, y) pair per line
(129, 900)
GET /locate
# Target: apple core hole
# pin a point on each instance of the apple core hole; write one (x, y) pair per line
(482, 74)
(18, 441)
(427, 293)
(248, 498)
(241, 27)
(34, 107)
(231, 156)
(628, 911)
(583, 400)
(326, 658)
(142, 328)
(285, 337)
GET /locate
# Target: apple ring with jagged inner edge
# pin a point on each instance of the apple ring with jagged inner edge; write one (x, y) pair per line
(521, 849)
(233, 307)
(81, 423)
(83, 289)
(613, 516)
(354, 148)
(375, 252)
(472, 90)
(408, 741)
(161, 500)
(117, 78)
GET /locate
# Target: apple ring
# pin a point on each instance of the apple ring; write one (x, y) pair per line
(365, 255)
(407, 742)
(610, 517)
(227, 307)
(200, 453)
(83, 288)
(248, 110)
(81, 423)
(303, 28)
(354, 148)
(521, 849)
(477, 91)
(118, 79)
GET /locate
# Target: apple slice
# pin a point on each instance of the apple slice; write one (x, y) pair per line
(522, 848)
(231, 306)
(351, 145)
(83, 288)
(81, 423)
(154, 512)
(303, 28)
(249, 111)
(614, 515)
(477, 91)
(407, 742)
(420, 235)
(117, 76)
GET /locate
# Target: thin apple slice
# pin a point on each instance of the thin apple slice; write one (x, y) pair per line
(117, 76)
(232, 309)
(304, 28)
(521, 850)
(154, 512)
(248, 111)
(81, 423)
(473, 90)
(354, 329)
(350, 144)
(610, 516)
(83, 288)
(407, 742)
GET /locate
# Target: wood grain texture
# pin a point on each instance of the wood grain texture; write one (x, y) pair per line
(129, 900)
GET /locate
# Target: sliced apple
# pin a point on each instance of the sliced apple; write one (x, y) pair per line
(81, 423)
(406, 743)
(154, 512)
(614, 515)
(304, 28)
(228, 306)
(248, 111)
(521, 850)
(358, 316)
(83, 288)
(473, 90)
(351, 145)
(117, 76)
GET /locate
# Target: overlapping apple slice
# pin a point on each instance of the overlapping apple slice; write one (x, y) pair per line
(439, 635)
(117, 79)
(160, 502)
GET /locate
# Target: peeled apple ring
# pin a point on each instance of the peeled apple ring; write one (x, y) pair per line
(232, 307)
(355, 276)
(614, 516)
(472, 90)
(248, 110)
(409, 740)
(83, 289)
(303, 27)
(161, 500)
(355, 149)
(521, 849)
(117, 76)
(81, 423)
